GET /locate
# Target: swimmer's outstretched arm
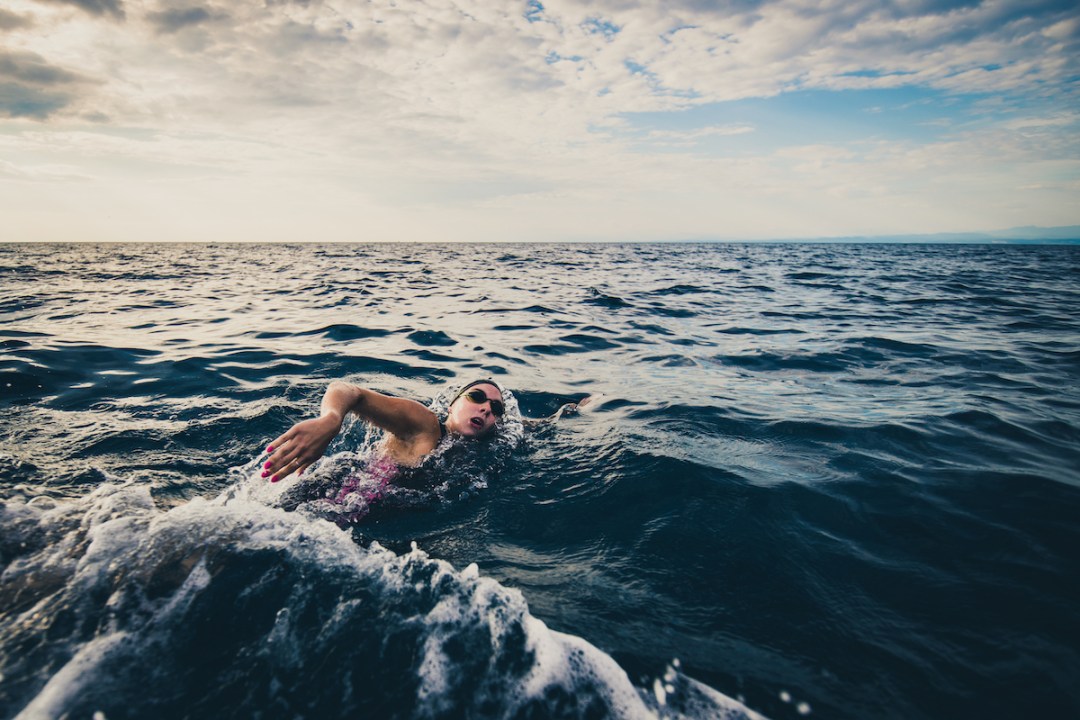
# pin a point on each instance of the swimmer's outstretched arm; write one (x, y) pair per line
(406, 421)
(567, 409)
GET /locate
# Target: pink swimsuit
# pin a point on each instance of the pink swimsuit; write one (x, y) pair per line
(380, 472)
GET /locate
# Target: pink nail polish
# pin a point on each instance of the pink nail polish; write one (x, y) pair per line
(269, 448)
(274, 479)
(265, 473)
(267, 465)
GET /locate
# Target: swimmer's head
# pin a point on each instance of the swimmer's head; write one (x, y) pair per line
(476, 409)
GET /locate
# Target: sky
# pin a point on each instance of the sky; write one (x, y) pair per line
(477, 120)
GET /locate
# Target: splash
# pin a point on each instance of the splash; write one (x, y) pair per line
(229, 607)
(354, 478)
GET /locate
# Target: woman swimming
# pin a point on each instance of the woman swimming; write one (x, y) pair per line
(412, 429)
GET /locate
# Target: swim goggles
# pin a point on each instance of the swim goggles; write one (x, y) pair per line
(479, 397)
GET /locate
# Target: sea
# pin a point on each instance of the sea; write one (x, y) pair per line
(811, 480)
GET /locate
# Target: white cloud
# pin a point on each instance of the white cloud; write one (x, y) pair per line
(699, 133)
(424, 114)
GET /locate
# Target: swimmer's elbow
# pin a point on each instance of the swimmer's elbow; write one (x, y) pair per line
(343, 397)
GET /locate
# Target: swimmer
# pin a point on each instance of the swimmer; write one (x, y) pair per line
(412, 429)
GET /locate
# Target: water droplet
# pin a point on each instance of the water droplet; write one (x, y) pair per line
(658, 691)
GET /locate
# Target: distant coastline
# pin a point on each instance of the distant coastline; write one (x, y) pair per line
(1027, 235)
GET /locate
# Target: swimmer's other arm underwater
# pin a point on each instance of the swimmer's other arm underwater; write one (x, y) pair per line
(411, 429)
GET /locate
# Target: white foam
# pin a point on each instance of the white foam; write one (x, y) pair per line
(114, 540)
(69, 681)
(660, 692)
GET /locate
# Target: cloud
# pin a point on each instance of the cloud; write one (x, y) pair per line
(30, 87)
(717, 53)
(14, 21)
(115, 8)
(176, 19)
(589, 60)
(40, 174)
(692, 138)
(33, 69)
(452, 105)
(18, 101)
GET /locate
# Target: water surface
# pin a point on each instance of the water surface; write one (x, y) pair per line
(828, 480)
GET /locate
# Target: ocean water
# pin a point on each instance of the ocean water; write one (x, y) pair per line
(835, 481)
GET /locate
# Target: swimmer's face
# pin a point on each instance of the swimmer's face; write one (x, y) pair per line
(472, 416)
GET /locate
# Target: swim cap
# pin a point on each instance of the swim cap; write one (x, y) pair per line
(484, 381)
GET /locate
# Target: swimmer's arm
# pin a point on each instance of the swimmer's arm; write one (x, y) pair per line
(306, 441)
(570, 408)
(412, 430)
(405, 419)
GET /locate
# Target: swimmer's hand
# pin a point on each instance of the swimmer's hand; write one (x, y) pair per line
(583, 404)
(303, 444)
(572, 408)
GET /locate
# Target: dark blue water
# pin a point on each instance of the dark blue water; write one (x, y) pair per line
(839, 481)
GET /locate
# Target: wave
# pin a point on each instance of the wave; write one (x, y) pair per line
(228, 608)
(607, 300)
(345, 331)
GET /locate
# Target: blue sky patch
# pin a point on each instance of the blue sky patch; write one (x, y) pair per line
(666, 37)
(809, 117)
(553, 57)
(534, 11)
(596, 26)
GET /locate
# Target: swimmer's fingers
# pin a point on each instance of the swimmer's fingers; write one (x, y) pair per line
(589, 402)
(283, 461)
(302, 445)
(280, 441)
(285, 470)
(574, 407)
(293, 460)
(297, 466)
(281, 451)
